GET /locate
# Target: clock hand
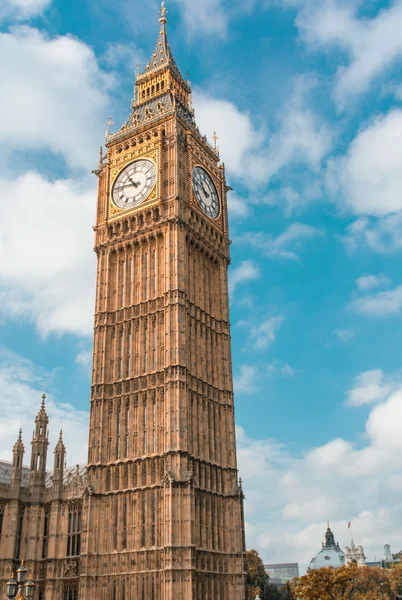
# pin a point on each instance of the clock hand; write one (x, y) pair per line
(204, 190)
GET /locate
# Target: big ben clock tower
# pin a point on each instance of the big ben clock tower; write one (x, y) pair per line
(163, 517)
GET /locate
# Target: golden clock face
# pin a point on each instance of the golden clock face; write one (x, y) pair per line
(134, 183)
(205, 192)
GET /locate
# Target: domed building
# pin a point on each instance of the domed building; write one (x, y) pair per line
(330, 554)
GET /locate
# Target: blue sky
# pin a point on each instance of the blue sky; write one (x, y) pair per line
(306, 98)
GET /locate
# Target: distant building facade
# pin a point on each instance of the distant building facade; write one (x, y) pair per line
(354, 555)
(330, 554)
(281, 573)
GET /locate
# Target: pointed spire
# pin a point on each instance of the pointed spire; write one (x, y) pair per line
(162, 55)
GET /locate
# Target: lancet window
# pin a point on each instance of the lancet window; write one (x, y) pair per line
(74, 530)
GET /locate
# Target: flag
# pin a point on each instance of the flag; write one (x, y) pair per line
(349, 524)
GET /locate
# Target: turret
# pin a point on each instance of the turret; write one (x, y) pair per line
(18, 457)
(58, 469)
(40, 443)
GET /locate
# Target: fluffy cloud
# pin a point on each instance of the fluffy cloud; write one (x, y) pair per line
(22, 9)
(245, 271)
(211, 18)
(371, 45)
(382, 235)
(55, 96)
(263, 335)
(380, 304)
(48, 272)
(287, 245)
(300, 137)
(369, 179)
(369, 387)
(289, 498)
(245, 380)
(368, 282)
(21, 384)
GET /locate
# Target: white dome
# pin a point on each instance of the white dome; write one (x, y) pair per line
(328, 557)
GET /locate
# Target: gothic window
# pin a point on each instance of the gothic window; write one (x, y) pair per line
(153, 525)
(122, 283)
(146, 276)
(108, 480)
(144, 521)
(154, 428)
(154, 274)
(1, 518)
(114, 590)
(145, 425)
(124, 538)
(45, 534)
(127, 427)
(74, 531)
(146, 348)
(19, 533)
(70, 591)
(130, 281)
(129, 354)
(118, 432)
(120, 358)
(115, 522)
(154, 346)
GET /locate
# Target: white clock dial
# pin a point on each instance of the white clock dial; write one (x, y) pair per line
(134, 184)
(205, 192)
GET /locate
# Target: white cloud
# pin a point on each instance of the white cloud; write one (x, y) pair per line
(368, 282)
(21, 383)
(277, 367)
(48, 271)
(245, 381)
(55, 96)
(372, 45)
(368, 180)
(207, 19)
(263, 335)
(238, 139)
(301, 137)
(84, 359)
(289, 498)
(344, 335)
(381, 235)
(244, 272)
(286, 245)
(369, 387)
(380, 304)
(20, 10)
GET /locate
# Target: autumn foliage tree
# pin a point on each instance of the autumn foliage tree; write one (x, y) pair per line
(349, 583)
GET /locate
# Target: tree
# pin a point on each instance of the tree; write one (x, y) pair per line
(257, 577)
(346, 583)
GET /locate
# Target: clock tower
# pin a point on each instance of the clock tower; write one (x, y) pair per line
(163, 516)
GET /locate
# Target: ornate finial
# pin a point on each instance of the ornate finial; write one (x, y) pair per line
(138, 68)
(109, 123)
(61, 435)
(20, 435)
(215, 138)
(163, 11)
(43, 400)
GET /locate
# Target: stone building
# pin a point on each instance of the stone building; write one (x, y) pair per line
(157, 513)
(354, 555)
